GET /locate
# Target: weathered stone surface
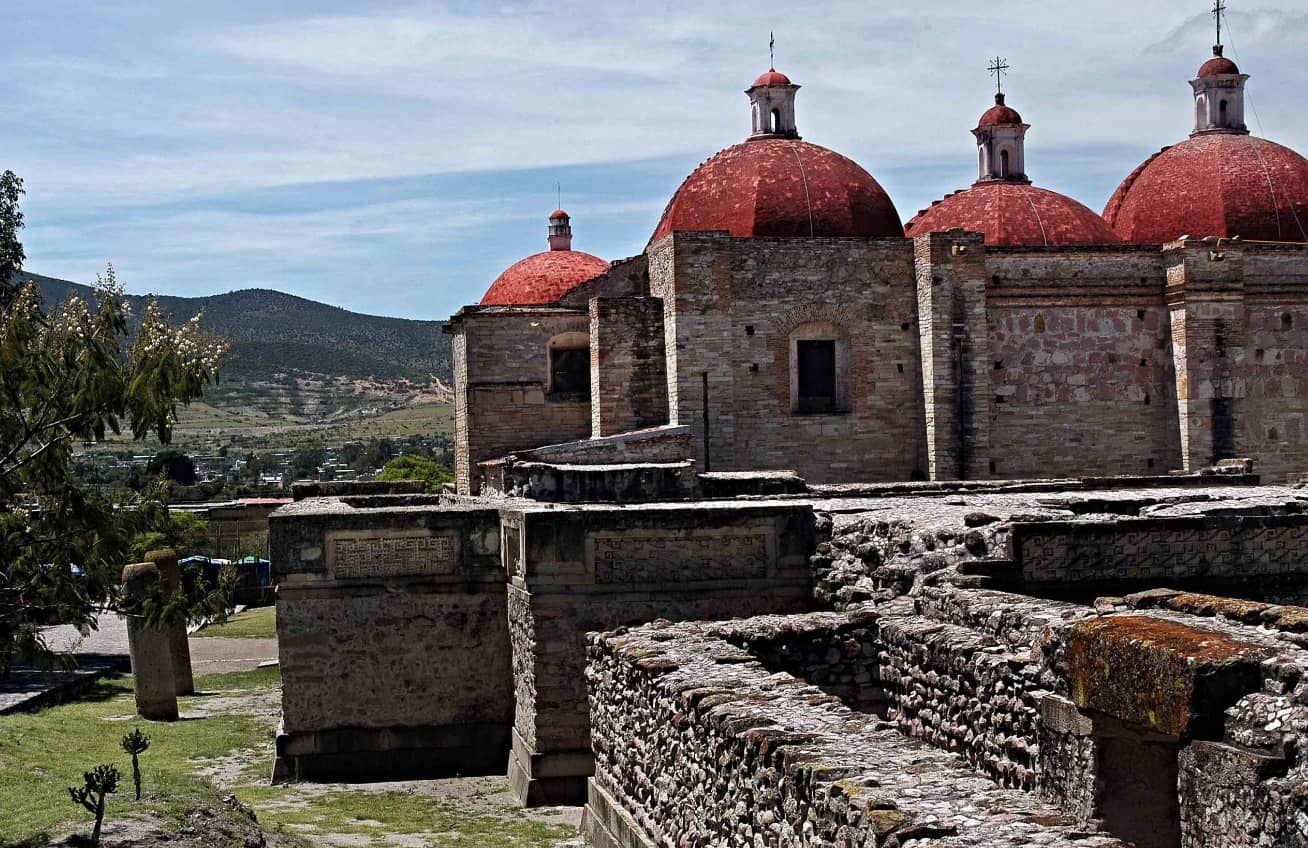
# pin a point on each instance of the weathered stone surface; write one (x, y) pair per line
(150, 647)
(1173, 678)
(179, 644)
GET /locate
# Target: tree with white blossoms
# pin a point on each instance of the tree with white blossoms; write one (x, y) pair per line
(69, 376)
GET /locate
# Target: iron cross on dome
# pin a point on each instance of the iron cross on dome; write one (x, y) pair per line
(997, 69)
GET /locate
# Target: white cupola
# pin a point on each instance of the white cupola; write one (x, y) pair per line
(772, 98)
(1219, 96)
(1001, 144)
(560, 230)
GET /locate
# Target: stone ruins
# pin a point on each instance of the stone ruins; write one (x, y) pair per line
(797, 531)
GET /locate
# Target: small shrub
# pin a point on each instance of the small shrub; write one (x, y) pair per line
(101, 781)
(136, 743)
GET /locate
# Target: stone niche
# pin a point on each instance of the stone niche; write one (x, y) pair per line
(598, 567)
(392, 638)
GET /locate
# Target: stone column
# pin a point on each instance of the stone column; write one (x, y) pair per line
(178, 641)
(1205, 300)
(152, 662)
(952, 323)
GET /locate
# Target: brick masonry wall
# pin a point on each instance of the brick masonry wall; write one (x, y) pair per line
(629, 387)
(506, 389)
(732, 305)
(1081, 366)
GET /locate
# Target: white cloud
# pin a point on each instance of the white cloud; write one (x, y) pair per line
(131, 108)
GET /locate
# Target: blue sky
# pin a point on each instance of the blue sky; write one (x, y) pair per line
(392, 158)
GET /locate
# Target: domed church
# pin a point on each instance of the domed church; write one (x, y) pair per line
(782, 317)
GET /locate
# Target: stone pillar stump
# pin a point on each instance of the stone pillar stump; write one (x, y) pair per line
(150, 649)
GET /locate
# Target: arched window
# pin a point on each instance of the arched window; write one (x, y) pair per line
(1221, 113)
(776, 120)
(1003, 163)
(819, 369)
(569, 364)
(1200, 112)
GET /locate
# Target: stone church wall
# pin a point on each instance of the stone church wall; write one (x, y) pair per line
(732, 309)
(1271, 404)
(502, 381)
(1082, 371)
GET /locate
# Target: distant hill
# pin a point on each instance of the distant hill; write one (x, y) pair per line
(298, 360)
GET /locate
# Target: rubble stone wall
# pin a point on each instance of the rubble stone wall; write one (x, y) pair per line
(697, 742)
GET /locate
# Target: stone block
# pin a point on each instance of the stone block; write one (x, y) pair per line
(1158, 674)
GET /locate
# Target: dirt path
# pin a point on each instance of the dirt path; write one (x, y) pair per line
(215, 655)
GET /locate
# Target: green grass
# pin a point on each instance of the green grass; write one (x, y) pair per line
(261, 678)
(375, 813)
(255, 623)
(42, 754)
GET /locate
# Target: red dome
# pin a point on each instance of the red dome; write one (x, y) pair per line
(772, 77)
(781, 187)
(1217, 66)
(1015, 214)
(543, 278)
(558, 213)
(1214, 184)
(999, 114)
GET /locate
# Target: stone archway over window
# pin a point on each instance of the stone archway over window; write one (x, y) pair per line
(569, 366)
(819, 369)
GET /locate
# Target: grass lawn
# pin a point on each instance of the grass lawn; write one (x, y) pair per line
(254, 623)
(222, 745)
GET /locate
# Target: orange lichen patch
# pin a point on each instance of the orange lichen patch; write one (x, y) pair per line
(1248, 612)
(1158, 674)
(1289, 619)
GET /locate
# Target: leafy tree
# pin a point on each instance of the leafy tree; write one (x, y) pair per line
(69, 376)
(174, 465)
(11, 221)
(413, 466)
(307, 460)
(184, 532)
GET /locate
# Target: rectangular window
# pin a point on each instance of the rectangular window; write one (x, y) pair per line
(570, 371)
(817, 375)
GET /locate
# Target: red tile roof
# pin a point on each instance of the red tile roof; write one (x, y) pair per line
(1214, 184)
(1216, 66)
(1015, 214)
(772, 77)
(781, 187)
(543, 278)
(999, 114)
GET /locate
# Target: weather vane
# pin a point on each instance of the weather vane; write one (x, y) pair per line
(1218, 8)
(997, 69)
(772, 51)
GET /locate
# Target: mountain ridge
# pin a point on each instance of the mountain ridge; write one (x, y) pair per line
(297, 359)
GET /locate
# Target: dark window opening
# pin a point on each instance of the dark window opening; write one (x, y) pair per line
(776, 120)
(1003, 163)
(816, 366)
(1287, 321)
(1221, 113)
(570, 371)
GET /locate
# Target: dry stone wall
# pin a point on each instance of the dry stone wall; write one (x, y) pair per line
(697, 742)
